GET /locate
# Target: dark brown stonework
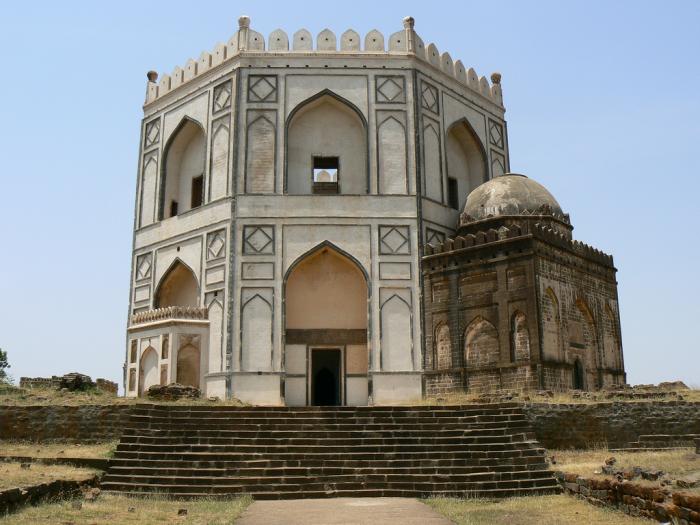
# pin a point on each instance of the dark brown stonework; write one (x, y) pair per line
(525, 307)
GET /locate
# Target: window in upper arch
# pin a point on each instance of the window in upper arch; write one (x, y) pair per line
(183, 185)
(327, 134)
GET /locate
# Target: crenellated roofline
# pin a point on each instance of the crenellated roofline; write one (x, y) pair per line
(246, 41)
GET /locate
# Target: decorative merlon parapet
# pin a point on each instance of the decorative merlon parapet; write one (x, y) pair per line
(537, 230)
(170, 312)
(405, 42)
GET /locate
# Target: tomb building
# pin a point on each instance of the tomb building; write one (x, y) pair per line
(327, 220)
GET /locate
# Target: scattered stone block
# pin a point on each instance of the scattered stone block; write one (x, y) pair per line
(173, 392)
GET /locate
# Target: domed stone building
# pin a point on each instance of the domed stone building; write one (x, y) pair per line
(514, 303)
(298, 235)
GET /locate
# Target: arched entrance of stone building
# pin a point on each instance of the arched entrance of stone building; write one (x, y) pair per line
(148, 370)
(188, 365)
(579, 376)
(325, 317)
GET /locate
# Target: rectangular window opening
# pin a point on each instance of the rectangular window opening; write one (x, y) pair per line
(197, 191)
(452, 193)
(173, 208)
(325, 175)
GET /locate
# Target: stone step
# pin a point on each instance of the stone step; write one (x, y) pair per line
(265, 440)
(333, 410)
(552, 488)
(523, 461)
(265, 485)
(281, 471)
(349, 429)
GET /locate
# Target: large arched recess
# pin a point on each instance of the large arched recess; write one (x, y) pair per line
(184, 162)
(326, 125)
(326, 288)
(177, 287)
(466, 162)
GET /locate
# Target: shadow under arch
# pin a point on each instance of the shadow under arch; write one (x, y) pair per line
(184, 121)
(314, 98)
(177, 263)
(319, 248)
(462, 121)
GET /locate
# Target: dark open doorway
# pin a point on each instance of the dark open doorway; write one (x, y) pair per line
(325, 377)
(578, 375)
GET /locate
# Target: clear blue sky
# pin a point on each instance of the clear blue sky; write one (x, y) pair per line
(603, 108)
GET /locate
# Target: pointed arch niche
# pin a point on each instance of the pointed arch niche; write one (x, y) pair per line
(182, 185)
(326, 130)
(326, 319)
(178, 287)
(466, 163)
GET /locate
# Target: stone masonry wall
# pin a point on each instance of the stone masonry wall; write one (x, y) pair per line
(570, 426)
(79, 423)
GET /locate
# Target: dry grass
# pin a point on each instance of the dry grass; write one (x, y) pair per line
(676, 463)
(12, 475)
(531, 510)
(109, 508)
(57, 449)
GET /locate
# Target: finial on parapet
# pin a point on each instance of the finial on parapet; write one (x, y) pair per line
(496, 77)
(152, 76)
(243, 22)
(409, 22)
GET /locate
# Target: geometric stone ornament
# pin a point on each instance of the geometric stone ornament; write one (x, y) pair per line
(391, 89)
(262, 88)
(495, 134)
(429, 98)
(394, 240)
(498, 164)
(152, 136)
(215, 244)
(222, 96)
(258, 240)
(434, 237)
(143, 266)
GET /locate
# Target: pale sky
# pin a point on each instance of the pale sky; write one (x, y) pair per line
(603, 108)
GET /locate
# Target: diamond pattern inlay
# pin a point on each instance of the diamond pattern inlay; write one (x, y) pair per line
(393, 240)
(390, 89)
(222, 96)
(429, 98)
(258, 240)
(215, 245)
(262, 88)
(143, 266)
(434, 237)
(152, 135)
(495, 134)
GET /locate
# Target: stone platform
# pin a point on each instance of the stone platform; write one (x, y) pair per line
(318, 452)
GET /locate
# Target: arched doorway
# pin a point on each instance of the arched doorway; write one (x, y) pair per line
(188, 365)
(182, 187)
(325, 306)
(178, 287)
(579, 375)
(148, 370)
(466, 163)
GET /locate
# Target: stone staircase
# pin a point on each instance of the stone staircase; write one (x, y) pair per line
(311, 452)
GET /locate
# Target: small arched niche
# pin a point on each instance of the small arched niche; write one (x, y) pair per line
(326, 148)
(466, 163)
(148, 370)
(178, 287)
(183, 176)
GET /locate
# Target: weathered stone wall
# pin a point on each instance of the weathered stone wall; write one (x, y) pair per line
(79, 423)
(632, 498)
(615, 424)
(16, 498)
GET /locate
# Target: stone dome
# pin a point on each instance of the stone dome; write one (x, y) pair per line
(508, 195)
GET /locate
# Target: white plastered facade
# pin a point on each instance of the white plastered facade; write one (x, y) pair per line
(397, 104)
